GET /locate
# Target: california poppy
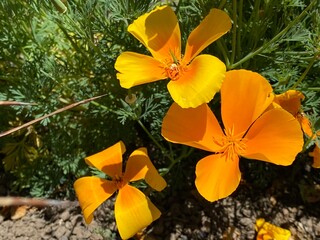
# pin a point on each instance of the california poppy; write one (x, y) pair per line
(194, 79)
(291, 101)
(268, 231)
(251, 130)
(133, 210)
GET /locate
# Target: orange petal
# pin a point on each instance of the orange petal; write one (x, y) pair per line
(305, 124)
(316, 156)
(139, 166)
(133, 211)
(290, 101)
(199, 82)
(217, 177)
(109, 160)
(159, 31)
(135, 69)
(245, 95)
(91, 193)
(195, 127)
(275, 137)
(215, 24)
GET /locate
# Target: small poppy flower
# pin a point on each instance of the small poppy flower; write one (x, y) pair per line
(291, 101)
(194, 79)
(251, 130)
(133, 210)
(268, 231)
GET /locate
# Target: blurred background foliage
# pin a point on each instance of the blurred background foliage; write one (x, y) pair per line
(57, 52)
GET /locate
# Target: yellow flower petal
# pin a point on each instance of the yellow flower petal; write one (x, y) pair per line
(135, 69)
(316, 156)
(91, 193)
(245, 95)
(274, 137)
(290, 101)
(215, 24)
(109, 160)
(193, 127)
(159, 32)
(199, 82)
(139, 166)
(268, 231)
(217, 177)
(133, 211)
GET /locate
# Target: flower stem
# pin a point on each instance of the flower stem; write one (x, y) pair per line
(234, 31)
(274, 39)
(163, 150)
(305, 72)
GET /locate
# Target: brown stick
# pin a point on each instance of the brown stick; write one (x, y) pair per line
(5, 133)
(37, 202)
(15, 103)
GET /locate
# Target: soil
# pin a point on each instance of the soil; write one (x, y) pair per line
(186, 215)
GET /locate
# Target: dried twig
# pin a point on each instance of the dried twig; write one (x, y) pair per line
(15, 103)
(49, 115)
(37, 202)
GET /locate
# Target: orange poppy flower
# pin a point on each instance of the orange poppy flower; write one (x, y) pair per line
(268, 231)
(250, 130)
(194, 79)
(133, 210)
(291, 101)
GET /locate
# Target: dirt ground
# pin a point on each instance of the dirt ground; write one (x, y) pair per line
(186, 215)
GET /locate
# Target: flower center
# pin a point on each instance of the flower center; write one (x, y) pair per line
(173, 71)
(118, 181)
(231, 145)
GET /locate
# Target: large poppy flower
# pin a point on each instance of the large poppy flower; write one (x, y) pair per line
(133, 210)
(194, 79)
(251, 129)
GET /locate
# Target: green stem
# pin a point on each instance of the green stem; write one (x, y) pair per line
(234, 31)
(100, 105)
(222, 3)
(280, 34)
(163, 150)
(239, 28)
(222, 47)
(305, 72)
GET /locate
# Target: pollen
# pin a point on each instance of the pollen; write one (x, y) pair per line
(173, 71)
(232, 145)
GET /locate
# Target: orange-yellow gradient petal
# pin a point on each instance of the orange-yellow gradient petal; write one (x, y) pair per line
(199, 82)
(275, 137)
(215, 24)
(290, 101)
(91, 193)
(159, 31)
(195, 127)
(217, 177)
(316, 156)
(268, 231)
(245, 95)
(133, 211)
(109, 160)
(135, 69)
(139, 166)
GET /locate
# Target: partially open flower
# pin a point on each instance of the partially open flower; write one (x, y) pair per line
(268, 231)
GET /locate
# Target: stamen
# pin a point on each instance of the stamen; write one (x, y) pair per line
(231, 145)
